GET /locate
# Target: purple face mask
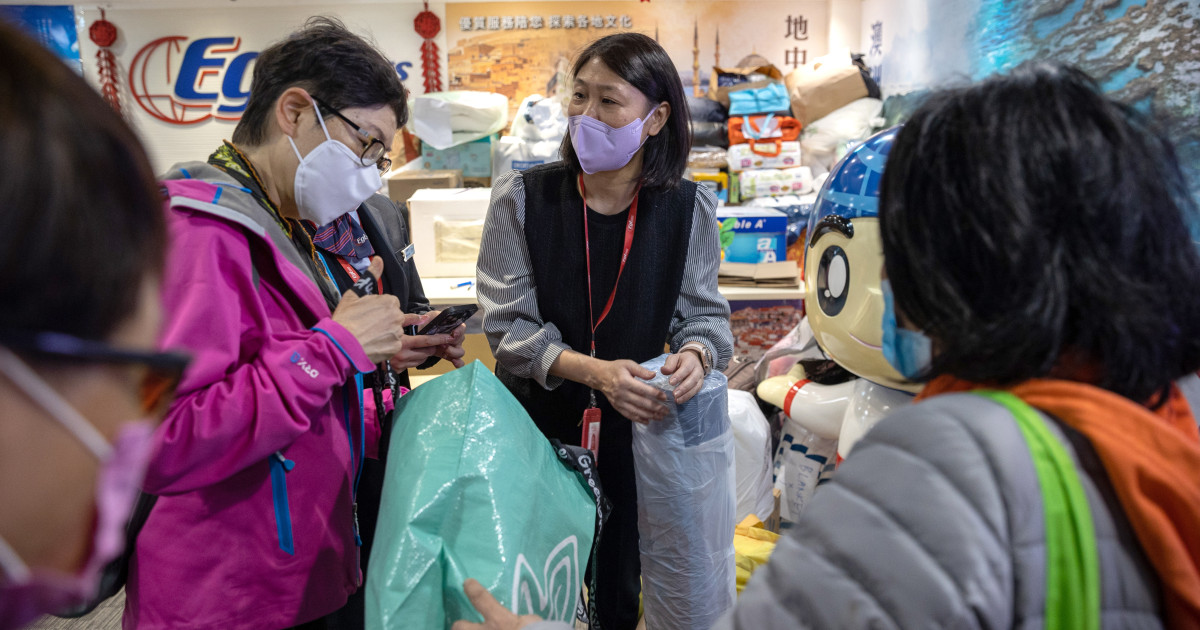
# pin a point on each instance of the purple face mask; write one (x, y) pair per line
(25, 592)
(600, 147)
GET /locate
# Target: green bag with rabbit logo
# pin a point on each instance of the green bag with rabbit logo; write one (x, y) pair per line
(474, 490)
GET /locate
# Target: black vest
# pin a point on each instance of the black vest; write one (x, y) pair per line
(637, 326)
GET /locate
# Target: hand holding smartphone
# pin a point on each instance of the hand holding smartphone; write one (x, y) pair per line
(444, 324)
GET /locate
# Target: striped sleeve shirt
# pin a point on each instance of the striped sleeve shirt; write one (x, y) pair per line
(527, 346)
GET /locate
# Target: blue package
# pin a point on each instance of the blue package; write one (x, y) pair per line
(759, 234)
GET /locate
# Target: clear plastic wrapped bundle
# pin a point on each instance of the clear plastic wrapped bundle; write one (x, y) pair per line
(685, 485)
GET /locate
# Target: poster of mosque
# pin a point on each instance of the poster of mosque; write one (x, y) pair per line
(524, 48)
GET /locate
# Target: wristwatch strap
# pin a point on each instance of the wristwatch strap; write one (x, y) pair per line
(706, 358)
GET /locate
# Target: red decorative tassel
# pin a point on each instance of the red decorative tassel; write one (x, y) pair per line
(104, 34)
(430, 66)
(427, 25)
(107, 63)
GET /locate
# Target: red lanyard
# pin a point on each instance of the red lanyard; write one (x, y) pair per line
(629, 225)
(350, 270)
(354, 273)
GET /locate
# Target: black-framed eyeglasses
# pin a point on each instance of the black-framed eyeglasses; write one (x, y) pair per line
(163, 370)
(375, 151)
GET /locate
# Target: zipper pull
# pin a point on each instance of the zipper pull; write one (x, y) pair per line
(288, 464)
(358, 580)
(357, 537)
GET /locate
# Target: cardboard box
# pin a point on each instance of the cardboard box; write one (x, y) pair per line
(401, 186)
(474, 159)
(785, 274)
(759, 234)
(447, 227)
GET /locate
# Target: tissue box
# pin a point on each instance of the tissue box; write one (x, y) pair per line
(402, 185)
(447, 227)
(474, 159)
(759, 234)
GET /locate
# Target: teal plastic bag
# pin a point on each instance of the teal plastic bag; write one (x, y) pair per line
(771, 98)
(473, 489)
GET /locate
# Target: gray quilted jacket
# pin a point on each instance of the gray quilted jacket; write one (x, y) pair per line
(935, 521)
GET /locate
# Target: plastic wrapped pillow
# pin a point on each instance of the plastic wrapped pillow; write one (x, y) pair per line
(685, 482)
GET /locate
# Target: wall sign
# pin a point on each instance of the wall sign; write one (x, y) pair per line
(186, 73)
(524, 48)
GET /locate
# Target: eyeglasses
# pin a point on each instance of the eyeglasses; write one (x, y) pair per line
(375, 151)
(163, 370)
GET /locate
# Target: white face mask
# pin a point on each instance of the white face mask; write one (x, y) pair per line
(331, 180)
(27, 592)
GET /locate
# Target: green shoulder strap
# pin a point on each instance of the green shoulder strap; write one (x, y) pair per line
(1072, 563)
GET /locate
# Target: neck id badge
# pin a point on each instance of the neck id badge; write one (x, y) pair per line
(591, 432)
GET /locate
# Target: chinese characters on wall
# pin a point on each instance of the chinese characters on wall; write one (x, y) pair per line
(797, 31)
(875, 53)
(524, 22)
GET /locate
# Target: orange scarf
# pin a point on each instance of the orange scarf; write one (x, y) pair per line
(1153, 460)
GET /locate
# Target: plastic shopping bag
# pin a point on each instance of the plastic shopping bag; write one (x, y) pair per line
(685, 484)
(540, 119)
(473, 489)
(446, 119)
(803, 460)
(752, 455)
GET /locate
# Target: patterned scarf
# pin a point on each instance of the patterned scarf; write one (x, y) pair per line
(344, 237)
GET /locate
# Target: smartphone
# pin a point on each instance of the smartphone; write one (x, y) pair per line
(449, 319)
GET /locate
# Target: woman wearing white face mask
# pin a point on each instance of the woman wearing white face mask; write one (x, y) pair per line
(256, 524)
(589, 265)
(77, 330)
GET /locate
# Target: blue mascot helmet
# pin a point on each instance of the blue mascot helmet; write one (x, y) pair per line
(852, 188)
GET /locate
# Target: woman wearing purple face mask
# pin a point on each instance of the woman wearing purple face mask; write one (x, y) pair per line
(589, 265)
(81, 388)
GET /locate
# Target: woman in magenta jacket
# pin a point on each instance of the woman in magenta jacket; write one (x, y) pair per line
(259, 457)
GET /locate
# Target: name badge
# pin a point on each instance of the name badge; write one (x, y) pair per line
(408, 252)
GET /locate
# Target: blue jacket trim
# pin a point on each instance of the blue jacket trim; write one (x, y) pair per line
(280, 466)
(339, 347)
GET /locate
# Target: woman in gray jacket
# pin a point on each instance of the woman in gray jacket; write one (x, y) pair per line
(1039, 241)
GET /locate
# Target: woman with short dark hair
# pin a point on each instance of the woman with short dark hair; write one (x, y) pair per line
(81, 385)
(261, 458)
(589, 265)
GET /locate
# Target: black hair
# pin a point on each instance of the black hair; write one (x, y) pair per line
(642, 63)
(1034, 227)
(81, 218)
(329, 62)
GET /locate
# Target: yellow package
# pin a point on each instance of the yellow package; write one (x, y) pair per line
(752, 546)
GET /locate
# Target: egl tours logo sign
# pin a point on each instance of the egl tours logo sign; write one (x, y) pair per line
(208, 79)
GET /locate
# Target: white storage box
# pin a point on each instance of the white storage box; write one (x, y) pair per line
(447, 226)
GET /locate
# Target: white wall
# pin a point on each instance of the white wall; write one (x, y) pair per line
(845, 25)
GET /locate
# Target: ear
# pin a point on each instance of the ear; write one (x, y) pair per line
(289, 107)
(658, 118)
